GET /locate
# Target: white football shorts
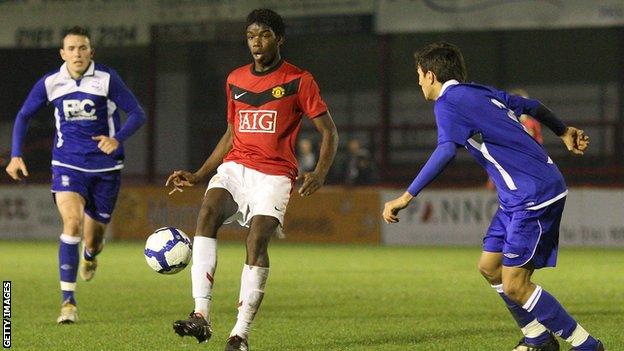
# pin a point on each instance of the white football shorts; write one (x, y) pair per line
(254, 192)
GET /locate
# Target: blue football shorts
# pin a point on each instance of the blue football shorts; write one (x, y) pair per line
(99, 189)
(528, 236)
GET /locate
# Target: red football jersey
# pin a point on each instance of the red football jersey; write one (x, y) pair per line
(265, 110)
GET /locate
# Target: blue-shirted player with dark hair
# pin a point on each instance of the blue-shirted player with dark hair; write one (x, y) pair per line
(87, 154)
(524, 233)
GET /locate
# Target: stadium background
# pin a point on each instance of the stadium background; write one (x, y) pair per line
(175, 56)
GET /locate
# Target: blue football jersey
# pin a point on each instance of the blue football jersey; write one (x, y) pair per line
(83, 108)
(484, 120)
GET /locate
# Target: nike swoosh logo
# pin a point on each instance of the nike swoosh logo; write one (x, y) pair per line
(236, 96)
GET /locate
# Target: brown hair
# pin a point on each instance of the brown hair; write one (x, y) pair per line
(445, 60)
(75, 30)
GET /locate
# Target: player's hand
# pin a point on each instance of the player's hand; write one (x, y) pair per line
(106, 144)
(312, 182)
(392, 208)
(575, 140)
(181, 179)
(15, 166)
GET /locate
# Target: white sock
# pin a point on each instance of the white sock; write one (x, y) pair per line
(244, 288)
(253, 280)
(202, 273)
(579, 335)
(533, 329)
(242, 327)
(71, 240)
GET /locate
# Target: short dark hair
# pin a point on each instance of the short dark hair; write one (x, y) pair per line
(445, 60)
(269, 18)
(75, 30)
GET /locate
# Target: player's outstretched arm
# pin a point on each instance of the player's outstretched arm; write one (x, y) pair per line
(441, 156)
(312, 181)
(575, 140)
(15, 166)
(180, 179)
(534, 108)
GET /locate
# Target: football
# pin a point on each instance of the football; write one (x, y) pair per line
(168, 250)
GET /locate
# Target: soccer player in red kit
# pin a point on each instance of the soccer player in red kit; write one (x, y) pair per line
(257, 168)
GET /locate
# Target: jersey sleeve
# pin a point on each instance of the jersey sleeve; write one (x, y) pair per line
(518, 104)
(441, 156)
(533, 108)
(37, 98)
(451, 125)
(230, 103)
(309, 97)
(119, 93)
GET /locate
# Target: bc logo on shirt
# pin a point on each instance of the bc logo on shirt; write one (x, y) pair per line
(79, 110)
(257, 121)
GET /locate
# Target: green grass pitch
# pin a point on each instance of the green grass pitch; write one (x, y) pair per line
(318, 297)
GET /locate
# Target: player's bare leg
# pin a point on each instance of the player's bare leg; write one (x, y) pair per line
(71, 209)
(547, 310)
(217, 206)
(92, 245)
(253, 279)
(491, 266)
(536, 336)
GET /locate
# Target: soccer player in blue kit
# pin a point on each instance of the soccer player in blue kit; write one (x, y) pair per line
(524, 232)
(87, 154)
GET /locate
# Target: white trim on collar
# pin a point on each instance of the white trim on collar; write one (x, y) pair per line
(65, 72)
(91, 70)
(447, 84)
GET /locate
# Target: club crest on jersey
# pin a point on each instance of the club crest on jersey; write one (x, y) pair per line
(257, 121)
(79, 110)
(278, 92)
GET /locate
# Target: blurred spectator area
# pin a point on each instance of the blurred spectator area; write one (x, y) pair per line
(370, 84)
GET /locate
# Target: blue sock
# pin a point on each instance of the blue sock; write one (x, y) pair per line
(551, 314)
(522, 317)
(68, 266)
(88, 255)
